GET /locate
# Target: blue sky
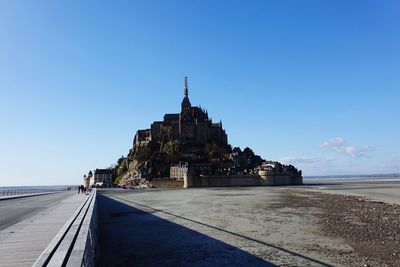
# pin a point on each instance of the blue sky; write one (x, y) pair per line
(312, 83)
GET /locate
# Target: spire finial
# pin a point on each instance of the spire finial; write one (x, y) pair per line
(186, 87)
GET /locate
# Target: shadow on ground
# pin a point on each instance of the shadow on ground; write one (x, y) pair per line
(132, 237)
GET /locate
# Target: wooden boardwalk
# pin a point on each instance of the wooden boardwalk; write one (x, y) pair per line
(22, 243)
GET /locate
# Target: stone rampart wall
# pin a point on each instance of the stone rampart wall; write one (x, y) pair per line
(238, 180)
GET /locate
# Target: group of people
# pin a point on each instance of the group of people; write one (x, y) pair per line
(82, 189)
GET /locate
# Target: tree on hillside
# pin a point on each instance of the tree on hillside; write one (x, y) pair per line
(237, 150)
(143, 153)
(248, 151)
(213, 150)
(172, 147)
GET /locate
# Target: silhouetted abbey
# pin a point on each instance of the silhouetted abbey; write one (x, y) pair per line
(188, 146)
(191, 125)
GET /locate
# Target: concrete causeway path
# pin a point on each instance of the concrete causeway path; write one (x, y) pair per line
(15, 210)
(22, 243)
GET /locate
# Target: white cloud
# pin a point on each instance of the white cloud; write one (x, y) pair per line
(334, 144)
(305, 160)
(339, 145)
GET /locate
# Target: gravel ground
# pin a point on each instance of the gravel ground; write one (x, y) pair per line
(371, 228)
(249, 226)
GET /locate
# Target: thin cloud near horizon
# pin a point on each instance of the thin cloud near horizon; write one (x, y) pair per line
(339, 145)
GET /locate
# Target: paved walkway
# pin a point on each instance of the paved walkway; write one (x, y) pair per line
(22, 243)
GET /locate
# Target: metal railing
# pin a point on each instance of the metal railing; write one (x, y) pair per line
(23, 191)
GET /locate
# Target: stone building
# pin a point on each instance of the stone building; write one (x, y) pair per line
(179, 171)
(86, 179)
(103, 177)
(142, 137)
(191, 125)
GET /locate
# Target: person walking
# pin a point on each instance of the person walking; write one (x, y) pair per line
(79, 189)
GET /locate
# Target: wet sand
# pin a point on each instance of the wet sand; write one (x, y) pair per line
(383, 189)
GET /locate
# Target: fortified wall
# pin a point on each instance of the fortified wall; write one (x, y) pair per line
(241, 180)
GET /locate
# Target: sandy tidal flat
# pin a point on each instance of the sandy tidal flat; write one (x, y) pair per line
(253, 226)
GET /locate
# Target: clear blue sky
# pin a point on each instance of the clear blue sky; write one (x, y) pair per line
(313, 83)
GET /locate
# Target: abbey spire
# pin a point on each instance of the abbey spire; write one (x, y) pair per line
(185, 105)
(186, 87)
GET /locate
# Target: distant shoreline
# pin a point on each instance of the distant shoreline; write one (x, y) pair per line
(353, 176)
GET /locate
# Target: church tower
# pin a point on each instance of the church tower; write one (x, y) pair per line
(185, 105)
(186, 130)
